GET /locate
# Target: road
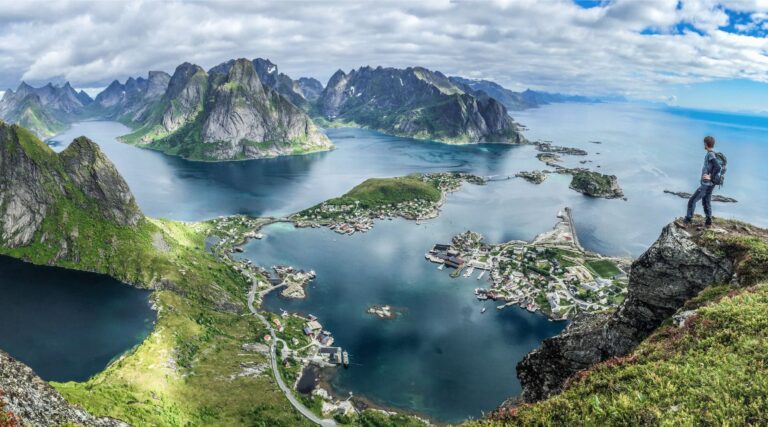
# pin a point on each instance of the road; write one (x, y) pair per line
(326, 422)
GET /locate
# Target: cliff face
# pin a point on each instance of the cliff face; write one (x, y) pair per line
(676, 268)
(228, 114)
(310, 88)
(416, 102)
(33, 402)
(270, 76)
(35, 181)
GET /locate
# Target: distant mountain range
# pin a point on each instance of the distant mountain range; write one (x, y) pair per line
(517, 101)
(45, 110)
(415, 102)
(243, 109)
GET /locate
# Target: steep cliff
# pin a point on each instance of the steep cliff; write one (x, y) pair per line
(28, 400)
(229, 114)
(36, 185)
(415, 102)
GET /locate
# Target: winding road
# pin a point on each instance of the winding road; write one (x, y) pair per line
(327, 422)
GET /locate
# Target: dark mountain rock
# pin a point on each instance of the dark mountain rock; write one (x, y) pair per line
(35, 181)
(310, 88)
(673, 270)
(84, 98)
(415, 102)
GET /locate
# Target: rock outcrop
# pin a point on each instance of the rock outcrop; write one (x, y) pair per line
(595, 184)
(34, 181)
(418, 103)
(33, 402)
(270, 76)
(673, 270)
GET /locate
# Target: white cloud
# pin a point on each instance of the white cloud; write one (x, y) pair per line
(551, 45)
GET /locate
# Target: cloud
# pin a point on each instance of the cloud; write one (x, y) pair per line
(623, 46)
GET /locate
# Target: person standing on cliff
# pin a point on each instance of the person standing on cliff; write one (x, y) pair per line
(710, 176)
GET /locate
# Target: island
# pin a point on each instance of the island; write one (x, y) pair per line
(547, 147)
(596, 184)
(715, 197)
(384, 311)
(534, 177)
(415, 197)
(552, 274)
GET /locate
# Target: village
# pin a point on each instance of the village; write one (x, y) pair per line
(394, 197)
(551, 274)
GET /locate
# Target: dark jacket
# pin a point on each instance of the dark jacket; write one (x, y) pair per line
(711, 167)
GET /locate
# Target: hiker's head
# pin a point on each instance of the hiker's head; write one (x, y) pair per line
(709, 142)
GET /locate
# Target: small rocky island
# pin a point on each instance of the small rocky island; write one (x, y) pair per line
(596, 184)
(715, 197)
(384, 311)
(534, 177)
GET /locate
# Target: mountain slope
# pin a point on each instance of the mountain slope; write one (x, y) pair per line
(227, 116)
(73, 210)
(687, 347)
(270, 76)
(310, 88)
(46, 110)
(415, 102)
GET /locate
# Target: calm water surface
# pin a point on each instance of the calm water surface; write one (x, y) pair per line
(67, 325)
(444, 358)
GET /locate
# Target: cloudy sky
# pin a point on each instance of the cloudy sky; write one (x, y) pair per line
(692, 52)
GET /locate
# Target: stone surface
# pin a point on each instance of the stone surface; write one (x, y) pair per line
(673, 270)
(38, 404)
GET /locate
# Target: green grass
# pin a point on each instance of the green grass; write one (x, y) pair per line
(375, 192)
(713, 371)
(603, 268)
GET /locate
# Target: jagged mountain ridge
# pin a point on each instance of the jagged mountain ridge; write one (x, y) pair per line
(415, 102)
(131, 101)
(311, 88)
(46, 110)
(227, 116)
(270, 76)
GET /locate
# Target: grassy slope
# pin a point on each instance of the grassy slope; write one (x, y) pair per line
(184, 372)
(711, 371)
(375, 192)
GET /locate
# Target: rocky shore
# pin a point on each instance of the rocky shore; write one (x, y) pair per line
(534, 177)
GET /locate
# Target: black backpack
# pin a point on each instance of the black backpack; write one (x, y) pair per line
(719, 178)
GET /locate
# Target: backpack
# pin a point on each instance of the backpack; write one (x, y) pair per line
(723, 161)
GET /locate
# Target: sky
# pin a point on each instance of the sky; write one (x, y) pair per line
(696, 53)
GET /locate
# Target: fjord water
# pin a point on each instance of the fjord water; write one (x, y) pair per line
(443, 358)
(67, 325)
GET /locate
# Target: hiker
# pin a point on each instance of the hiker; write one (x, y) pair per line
(710, 176)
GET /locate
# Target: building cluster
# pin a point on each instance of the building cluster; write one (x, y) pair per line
(553, 279)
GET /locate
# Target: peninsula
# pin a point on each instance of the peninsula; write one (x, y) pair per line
(415, 197)
(551, 274)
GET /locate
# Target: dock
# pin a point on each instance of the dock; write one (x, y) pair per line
(569, 216)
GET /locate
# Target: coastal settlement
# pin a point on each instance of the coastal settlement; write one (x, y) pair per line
(552, 274)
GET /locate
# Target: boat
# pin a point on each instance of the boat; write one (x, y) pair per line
(483, 310)
(442, 266)
(345, 358)
(481, 275)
